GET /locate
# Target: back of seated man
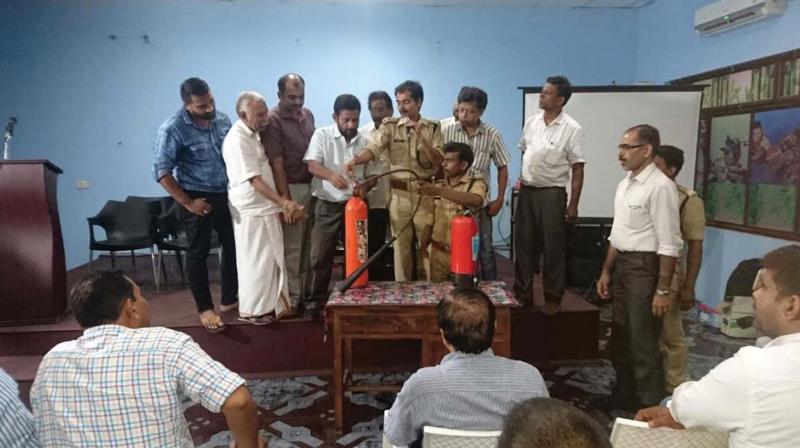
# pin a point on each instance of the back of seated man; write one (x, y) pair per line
(551, 423)
(471, 389)
(754, 395)
(16, 421)
(123, 384)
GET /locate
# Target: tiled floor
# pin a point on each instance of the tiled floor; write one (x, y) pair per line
(297, 412)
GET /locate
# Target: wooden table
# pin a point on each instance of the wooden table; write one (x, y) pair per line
(399, 310)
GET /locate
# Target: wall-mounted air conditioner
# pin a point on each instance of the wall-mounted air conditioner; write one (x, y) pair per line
(724, 15)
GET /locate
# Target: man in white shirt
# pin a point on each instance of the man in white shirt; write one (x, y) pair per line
(330, 148)
(255, 207)
(753, 395)
(552, 157)
(122, 384)
(380, 107)
(644, 244)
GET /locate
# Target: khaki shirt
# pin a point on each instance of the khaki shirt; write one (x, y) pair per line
(693, 215)
(447, 209)
(404, 148)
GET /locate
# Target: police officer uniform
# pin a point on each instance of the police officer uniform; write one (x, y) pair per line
(405, 150)
(446, 210)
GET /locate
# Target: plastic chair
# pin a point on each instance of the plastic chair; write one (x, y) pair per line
(434, 437)
(128, 227)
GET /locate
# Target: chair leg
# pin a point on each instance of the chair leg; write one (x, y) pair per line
(133, 261)
(91, 255)
(113, 260)
(219, 255)
(162, 266)
(181, 255)
(156, 273)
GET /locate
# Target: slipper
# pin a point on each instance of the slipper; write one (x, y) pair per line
(266, 319)
(214, 330)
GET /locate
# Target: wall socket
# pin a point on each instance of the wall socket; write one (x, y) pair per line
(81, 184)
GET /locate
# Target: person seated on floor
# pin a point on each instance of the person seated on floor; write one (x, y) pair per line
(471, 389)
(458, 192)
(124, 384)
(551, 423)
(16, 421)
(753, 395)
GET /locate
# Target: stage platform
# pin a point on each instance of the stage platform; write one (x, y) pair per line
(298, 346)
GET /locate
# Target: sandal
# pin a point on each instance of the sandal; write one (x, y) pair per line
(266, 319)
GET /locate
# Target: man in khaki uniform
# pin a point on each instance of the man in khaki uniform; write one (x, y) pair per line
(453, 194)
(669, 160)
(413, 143)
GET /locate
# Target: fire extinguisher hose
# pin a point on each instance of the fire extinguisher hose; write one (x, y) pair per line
(345, 284)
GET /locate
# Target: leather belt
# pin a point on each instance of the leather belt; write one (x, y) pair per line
(398, 184)
(442, 247)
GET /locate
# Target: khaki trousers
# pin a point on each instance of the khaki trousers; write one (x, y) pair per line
(401, 207)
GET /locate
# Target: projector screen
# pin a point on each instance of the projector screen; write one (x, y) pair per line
(605, 112)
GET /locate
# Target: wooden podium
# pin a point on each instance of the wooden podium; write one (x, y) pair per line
(33, 277)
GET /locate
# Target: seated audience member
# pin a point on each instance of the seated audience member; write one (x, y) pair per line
(551, 423)
(753, 395)
(16, 421)
(471, 389)
(123, 384)
(457, 192)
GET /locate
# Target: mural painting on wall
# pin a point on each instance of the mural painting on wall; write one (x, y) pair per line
(774, 168)
(727, 155)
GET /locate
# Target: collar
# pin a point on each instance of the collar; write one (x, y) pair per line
(285, 114)
(792, 338)
(338, 134)
(644, 174)
(100, 332)
(403, 121)
(465, 178)
(481, 128)
(454, 356)
(244, 129)
(557, 120)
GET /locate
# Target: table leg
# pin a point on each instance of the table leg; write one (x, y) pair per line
(338, 387)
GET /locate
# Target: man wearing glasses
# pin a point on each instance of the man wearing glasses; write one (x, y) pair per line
(637, 272)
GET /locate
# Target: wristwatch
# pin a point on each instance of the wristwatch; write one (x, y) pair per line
(663, 292)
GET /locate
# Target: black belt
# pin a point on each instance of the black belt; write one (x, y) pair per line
(531, 187)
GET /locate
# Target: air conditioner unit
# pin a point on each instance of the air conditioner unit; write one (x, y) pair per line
(724, 15)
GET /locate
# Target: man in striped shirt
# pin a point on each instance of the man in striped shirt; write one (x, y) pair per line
(122, 384)
(487, 145)
(471, 389)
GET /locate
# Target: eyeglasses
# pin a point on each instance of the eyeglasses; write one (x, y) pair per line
(624, 147)
(759, 281)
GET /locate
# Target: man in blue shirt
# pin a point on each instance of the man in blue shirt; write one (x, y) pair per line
(189, 144)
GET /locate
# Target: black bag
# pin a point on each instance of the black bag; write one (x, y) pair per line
(740, 283)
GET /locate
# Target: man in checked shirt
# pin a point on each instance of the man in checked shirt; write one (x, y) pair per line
(122, 383)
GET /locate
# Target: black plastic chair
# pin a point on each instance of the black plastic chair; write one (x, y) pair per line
(170, 236)
(128, 226)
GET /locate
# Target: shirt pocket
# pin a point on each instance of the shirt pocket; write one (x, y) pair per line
(638, 216)
(553, 156)
(200, 150)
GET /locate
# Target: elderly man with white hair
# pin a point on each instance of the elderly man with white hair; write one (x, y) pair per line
(255, 207)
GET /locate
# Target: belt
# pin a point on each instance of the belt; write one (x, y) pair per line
(398, 184)
(442, 247)
(531, 187)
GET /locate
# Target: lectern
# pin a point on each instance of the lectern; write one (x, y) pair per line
(33, 278)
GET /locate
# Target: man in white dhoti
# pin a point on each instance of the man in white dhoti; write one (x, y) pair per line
(255, 206)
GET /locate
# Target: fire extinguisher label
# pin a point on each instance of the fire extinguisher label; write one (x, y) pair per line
(476, 246)
(361, 232)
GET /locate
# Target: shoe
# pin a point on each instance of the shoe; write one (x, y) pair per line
(551, 308)
(258, 320)
(226, 308)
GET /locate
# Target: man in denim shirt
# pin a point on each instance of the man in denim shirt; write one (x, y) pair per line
(190, 144)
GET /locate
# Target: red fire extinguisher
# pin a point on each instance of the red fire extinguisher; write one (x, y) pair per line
(355, 239)
(463, 249)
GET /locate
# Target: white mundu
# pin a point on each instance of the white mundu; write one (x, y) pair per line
(256, 226)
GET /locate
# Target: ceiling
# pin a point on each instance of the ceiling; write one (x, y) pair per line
(546, 3)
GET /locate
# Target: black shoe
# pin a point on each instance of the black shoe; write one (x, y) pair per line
(551, 308)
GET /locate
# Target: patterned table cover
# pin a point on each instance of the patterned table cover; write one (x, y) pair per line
(414, 293)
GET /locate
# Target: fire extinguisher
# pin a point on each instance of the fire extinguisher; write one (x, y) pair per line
(464, 246)
(355, 239)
